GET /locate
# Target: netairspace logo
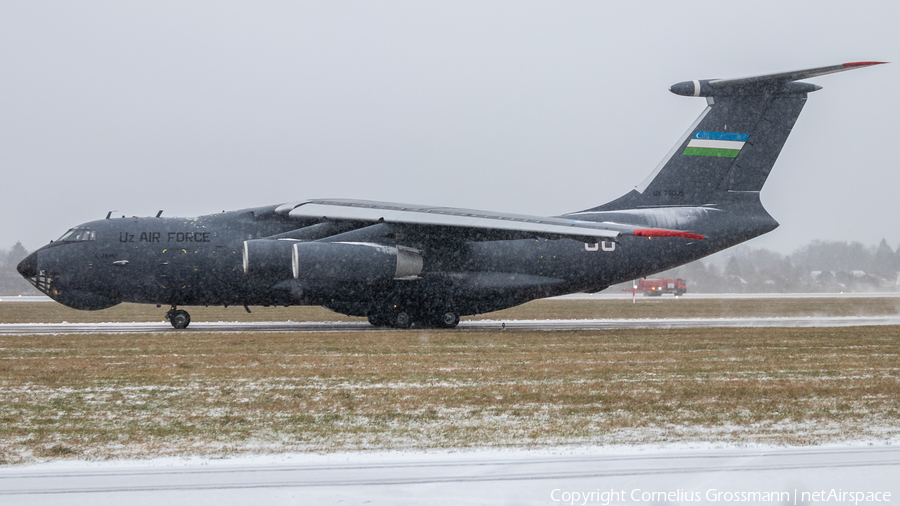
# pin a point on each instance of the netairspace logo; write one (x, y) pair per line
(712, 495)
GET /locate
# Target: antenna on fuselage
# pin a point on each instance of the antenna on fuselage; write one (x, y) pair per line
(110, 213)
(159, 213)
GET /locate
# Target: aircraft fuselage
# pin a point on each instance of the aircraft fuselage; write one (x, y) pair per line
(201, 261)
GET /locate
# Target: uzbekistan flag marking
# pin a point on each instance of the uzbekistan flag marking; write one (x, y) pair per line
(723, 144)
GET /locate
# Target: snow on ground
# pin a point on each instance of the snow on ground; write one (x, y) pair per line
(683, 473)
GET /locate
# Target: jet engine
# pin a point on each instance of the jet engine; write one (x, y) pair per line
(331, 261)
(268, 257)
(354, 261)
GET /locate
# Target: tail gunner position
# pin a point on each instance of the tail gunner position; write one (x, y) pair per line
(400, 264)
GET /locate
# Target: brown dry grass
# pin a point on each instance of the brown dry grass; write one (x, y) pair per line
(141, 395)
(684, 307)
(645, 307)
(51, 312)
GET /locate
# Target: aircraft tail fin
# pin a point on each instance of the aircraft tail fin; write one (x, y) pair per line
(734, 143)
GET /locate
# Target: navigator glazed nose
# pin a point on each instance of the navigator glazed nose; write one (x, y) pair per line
(28, 267)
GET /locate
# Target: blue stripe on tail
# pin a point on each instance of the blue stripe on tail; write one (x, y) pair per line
(721, 136)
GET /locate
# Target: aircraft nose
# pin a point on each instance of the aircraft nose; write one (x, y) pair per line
(28, 267)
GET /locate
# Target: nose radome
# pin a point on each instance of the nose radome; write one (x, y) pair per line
(28, 267)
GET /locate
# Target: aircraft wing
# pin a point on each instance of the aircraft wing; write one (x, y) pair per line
(501, 224)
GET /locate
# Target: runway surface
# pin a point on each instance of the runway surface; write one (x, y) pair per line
(548, 476)
(482, 325)
(691, 295)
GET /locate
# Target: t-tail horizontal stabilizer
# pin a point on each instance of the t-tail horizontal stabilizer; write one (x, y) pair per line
(771, 83)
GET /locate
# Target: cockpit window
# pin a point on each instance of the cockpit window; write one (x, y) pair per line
(78, 234)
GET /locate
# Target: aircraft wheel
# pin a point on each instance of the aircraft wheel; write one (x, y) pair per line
(402, 320)
(180, 319)
(448, 320)
(377, 319)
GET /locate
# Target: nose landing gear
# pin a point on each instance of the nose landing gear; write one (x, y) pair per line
(179, 318)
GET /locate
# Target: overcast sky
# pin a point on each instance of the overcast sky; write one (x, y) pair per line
(528, 107)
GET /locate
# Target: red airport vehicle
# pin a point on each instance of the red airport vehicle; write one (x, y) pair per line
(657, 287)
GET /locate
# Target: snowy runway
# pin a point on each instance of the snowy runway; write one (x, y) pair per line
(622, 475)
(598, 324)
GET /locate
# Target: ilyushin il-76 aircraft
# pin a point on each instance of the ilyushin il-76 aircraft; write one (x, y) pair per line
(401, 265)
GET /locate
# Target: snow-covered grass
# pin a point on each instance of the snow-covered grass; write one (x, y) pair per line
(174, 394)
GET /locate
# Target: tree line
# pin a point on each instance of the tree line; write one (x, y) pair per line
(11, 283)
(818, 267)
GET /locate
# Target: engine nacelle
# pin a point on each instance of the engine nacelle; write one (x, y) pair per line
(267, 257)
(354, 261)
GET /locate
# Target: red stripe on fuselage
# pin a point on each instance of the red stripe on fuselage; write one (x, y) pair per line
(659, 232)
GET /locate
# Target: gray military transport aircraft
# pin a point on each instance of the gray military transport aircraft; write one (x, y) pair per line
(400, 264)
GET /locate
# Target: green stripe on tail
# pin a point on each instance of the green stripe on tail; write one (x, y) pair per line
(726, 153)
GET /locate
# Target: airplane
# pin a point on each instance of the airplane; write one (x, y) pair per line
(401, 265)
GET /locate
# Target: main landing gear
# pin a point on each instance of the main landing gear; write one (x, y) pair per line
(448, 320)
(401, 319)
(179, 318)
